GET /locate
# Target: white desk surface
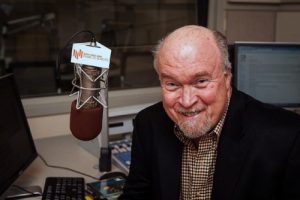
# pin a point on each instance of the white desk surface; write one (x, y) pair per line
(62, 151)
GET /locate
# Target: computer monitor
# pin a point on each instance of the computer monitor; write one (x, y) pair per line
(17, 149)
(270, 72)
(35, 78)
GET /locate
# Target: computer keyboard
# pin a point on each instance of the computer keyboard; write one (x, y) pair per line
(64, 188)
(121, 153)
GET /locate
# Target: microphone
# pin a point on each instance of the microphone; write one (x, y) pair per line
(91, 63)
(86, 122)
(91, 66)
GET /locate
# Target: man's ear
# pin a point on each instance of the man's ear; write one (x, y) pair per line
(228, 77)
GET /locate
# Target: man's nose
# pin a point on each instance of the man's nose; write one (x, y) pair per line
(188, 97)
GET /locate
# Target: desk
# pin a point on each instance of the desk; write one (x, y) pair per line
(60, 151)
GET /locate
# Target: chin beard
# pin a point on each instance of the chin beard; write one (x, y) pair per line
(193, 129)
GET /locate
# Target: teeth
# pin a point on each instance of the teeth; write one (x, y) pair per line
(188, 114)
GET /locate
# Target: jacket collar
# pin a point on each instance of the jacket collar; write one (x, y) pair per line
(231, 149)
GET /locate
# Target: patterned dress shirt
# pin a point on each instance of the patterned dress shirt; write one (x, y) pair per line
(198, 163)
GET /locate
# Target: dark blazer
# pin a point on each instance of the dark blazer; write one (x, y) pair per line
(258, 154)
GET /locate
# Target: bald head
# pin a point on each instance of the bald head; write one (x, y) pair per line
(187, 35)
(183, 41)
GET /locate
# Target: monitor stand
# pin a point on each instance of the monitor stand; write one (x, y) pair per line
(15, 192)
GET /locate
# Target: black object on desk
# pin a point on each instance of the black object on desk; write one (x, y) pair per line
(60, 188)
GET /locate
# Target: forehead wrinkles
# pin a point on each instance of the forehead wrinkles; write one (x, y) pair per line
(189, 53)
(188, 42)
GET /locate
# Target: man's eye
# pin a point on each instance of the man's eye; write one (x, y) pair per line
(202, 83)
(171, 86)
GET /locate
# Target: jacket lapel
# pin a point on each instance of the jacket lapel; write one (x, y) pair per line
(169, 151)
(170, 175)
(231, 150)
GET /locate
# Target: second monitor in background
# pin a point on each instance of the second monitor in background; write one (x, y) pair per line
(270, 72)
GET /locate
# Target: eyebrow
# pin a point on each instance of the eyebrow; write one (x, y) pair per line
(205, 73)
(199, 74)
(165, 75)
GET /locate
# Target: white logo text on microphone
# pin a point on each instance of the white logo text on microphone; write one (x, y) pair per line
(98, 56)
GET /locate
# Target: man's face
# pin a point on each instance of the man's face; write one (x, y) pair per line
(195, 87)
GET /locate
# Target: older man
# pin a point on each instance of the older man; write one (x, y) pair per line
(207, 140)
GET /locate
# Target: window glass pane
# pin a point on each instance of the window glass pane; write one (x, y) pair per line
(34, 31)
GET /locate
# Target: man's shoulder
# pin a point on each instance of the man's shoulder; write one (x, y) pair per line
(277, 115)
(153, 109)
(154, 113)
(263, 113)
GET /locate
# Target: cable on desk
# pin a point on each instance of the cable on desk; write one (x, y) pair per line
(66, 168)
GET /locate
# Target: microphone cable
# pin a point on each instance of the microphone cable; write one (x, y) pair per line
(66, 168)
(58, 59)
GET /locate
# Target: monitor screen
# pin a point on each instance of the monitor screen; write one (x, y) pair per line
(270, 72)
(17, 149)
(35, 78)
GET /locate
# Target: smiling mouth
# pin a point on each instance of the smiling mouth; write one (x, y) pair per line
(189, 113)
